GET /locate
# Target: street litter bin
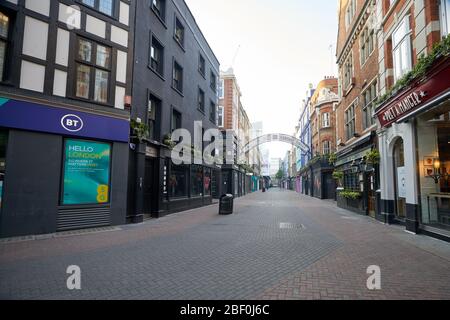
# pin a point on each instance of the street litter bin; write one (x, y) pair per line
(226, 204)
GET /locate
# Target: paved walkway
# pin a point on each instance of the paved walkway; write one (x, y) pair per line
(278, 245)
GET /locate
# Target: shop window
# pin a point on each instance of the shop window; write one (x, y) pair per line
(93, 69)
(207, 181)
(399, 173)
(178, 181)
(3, 144)
(434, 153)
(196, 180)
(86, 177)
(351, 180)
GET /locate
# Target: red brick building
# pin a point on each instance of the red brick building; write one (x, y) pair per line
(357, 58)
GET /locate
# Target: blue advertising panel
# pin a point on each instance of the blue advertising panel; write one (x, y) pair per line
(86, 172)
(35, 117)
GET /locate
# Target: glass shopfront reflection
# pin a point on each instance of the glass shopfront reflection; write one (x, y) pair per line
(3, 144)
(433, 140)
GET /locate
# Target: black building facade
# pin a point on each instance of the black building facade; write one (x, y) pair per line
(174, 85)
(64, 126)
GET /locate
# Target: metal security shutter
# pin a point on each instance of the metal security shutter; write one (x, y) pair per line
(72, 219)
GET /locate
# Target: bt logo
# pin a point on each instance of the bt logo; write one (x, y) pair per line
(72, 123)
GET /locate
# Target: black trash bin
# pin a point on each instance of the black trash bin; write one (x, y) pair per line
(226, 204)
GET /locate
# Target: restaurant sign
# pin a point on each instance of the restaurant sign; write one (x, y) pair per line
(421, 93)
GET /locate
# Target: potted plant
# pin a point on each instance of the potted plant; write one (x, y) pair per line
(167, 140)
(139, 130)
(339, 177)
(332, 158)
(373, 157)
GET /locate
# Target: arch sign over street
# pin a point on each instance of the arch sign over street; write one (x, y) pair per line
(276, 137)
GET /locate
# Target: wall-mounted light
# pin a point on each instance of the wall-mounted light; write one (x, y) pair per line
(437, 175)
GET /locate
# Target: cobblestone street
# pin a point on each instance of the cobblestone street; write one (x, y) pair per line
(277, 245)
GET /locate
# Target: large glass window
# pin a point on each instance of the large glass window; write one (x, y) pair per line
(93, 71)
(351, 180)
(433, 143)
(196, 180)
(86, 172)
(3, 143)
(178, 181)
(401, 49)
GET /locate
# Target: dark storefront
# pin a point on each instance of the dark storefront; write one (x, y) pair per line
(360, 182)
(60, 169)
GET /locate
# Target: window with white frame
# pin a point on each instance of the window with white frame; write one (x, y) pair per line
(221, 89)
(326, 147)
(220, 116)
(326, 120)
(401, 49)
(445, 17)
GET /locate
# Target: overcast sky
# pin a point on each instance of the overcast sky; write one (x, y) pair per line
(284, 46)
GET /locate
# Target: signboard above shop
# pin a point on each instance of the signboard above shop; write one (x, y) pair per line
(419, 96)
(37, 117)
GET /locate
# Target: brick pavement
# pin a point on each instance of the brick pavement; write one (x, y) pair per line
(322, 254)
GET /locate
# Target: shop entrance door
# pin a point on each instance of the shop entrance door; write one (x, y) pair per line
(399, 178)
(150, 187)
(371, 195)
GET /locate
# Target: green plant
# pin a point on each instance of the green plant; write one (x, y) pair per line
(167, 140)
(338, 175)
(373, 156)
(348, 194)
(332, 158)
(140, 130)
(420, 69)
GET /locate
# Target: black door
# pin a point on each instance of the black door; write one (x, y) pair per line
(149, 185)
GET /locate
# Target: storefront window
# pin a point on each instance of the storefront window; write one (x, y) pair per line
(196, 180)
(207, 181)
(86, 172)
(178, 181)
(3, 137)
(351, 181)
(236, 183)
(433, 137)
